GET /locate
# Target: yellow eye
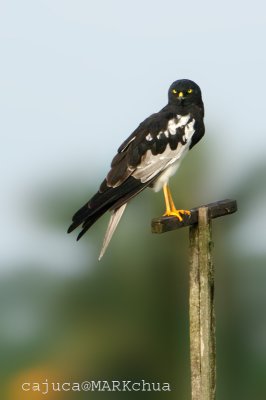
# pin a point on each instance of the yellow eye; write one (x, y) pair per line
(174, 91)
(190, 91)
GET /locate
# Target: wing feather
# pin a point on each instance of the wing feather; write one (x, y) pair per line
(148, 157)
(154, 135)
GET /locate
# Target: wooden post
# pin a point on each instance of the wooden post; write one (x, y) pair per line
(201, 308)
(201, 292)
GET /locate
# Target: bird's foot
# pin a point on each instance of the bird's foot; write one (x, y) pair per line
(176, 213)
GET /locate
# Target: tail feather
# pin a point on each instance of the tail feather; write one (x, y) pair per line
(90, 221)
(107, 198)
(104, 200)
(114, 220)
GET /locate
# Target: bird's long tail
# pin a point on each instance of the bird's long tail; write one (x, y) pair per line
(107, 198)
(114, 220)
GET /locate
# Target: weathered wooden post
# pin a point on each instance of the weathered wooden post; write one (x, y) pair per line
(201, 292)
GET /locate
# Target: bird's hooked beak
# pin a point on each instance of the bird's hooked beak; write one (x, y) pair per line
(180, 97)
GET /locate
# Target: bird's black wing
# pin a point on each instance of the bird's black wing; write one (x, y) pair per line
(131, 151)
(139, 162)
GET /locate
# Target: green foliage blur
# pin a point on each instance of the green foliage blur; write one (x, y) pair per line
(126, 317)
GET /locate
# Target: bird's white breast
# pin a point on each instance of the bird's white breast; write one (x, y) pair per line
(168, 172)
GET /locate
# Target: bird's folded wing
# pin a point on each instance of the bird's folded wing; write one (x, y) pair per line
(151, 151)
(153, 165)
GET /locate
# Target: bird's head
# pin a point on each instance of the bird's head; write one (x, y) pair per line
(184, 92)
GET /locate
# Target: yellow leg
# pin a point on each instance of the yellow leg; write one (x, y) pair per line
(166, 199)
(171, 201)
(170, 206)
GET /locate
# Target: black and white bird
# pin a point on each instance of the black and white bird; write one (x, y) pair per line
(148, 158)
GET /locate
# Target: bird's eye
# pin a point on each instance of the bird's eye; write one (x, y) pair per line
(190, 91)
(174, 91)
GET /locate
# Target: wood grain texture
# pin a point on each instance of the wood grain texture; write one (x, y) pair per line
(201, 309)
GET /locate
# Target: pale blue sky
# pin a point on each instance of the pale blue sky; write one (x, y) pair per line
(73, 71)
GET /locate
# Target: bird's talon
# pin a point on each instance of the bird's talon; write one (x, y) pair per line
(187, 212)
(176, 213)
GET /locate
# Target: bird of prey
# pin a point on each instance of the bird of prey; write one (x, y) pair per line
(148, 158)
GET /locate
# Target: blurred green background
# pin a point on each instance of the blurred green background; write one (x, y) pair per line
(76, 79)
